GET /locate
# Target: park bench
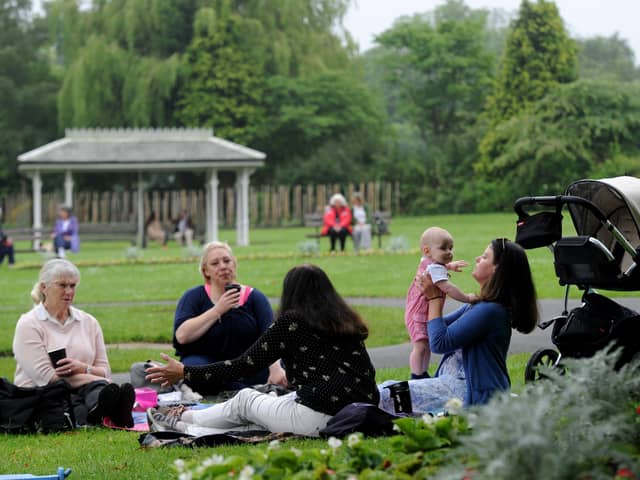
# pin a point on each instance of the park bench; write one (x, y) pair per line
(88, 232)
(314, 220)
(379, 224)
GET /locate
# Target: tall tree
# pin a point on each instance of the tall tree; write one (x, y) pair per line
(223, 84)
(607, 58)
(440, 67)
(319, 128)
(27, 88)
(539, 55)
(583, 129)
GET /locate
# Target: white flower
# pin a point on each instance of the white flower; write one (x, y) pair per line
(296, 451)
(334, 442)
(353, 439)
(213, 460)
(179, 464)
(246, 473)
(273, 444)
(453, 405)
(185, 476)
(428, 418)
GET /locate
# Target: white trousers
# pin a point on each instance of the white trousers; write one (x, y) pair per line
(187, 235)
(362, 236)
(252, 410)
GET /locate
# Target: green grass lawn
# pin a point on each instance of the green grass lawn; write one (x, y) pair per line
(134, 302)
(101, 453)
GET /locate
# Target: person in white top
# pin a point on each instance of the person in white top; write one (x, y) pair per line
(361, 229)
(54, 324)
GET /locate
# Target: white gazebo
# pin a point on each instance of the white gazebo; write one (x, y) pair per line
(147, 150)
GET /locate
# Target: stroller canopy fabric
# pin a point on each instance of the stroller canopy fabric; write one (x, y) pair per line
(619, 200)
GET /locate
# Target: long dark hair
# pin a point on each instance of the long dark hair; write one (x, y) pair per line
(307, 290)
(511, 285)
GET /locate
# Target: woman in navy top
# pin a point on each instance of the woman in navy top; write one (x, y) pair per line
(474, 340)
(321, 340)
(212, 324)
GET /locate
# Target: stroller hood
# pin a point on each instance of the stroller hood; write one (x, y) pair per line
(619, 200)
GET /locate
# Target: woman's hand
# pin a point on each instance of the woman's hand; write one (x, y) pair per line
(426, 285)
(228, 300)
(67, 367)
(167, 374)
(277, 375)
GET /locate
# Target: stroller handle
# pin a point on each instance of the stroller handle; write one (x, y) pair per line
(557, 201)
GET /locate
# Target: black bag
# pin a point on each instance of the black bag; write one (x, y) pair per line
(539, 230)
(41, 409)
(359, 417)
(593, 325)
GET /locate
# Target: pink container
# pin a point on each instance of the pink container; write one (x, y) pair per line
(145, 398)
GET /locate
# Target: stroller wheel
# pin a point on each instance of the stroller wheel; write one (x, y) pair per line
(542, 357)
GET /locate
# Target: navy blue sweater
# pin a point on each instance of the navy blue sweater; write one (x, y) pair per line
(483, 332)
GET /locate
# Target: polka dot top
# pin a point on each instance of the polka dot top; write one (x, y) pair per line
(327, 371)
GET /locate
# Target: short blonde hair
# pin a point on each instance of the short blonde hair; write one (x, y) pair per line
(432, 234)
(212, 246)
(50, 272)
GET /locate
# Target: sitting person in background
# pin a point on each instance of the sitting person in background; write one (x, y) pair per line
(54, 324)
(6, 249)
(474, 340)
(184, 229)
(337, 221)
(65, 232)
(154, 230)
(361, 229)
(321, 341)
(219, 320)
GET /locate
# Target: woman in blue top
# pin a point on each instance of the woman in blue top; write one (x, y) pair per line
(474, 340)
(213, 324)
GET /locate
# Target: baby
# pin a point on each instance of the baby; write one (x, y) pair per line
(437, 250)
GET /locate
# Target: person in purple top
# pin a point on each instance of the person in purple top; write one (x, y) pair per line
(220, 319)
(65, 232)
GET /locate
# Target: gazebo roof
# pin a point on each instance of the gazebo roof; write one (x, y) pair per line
(139, 150)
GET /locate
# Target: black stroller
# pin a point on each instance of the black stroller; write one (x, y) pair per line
(605, 254)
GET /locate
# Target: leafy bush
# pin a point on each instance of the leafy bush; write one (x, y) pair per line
(584, 424)
(309, 247)
(398, 245)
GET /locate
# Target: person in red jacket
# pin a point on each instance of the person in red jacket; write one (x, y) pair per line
(337, 221)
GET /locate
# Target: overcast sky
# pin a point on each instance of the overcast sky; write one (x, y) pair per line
(583, 18)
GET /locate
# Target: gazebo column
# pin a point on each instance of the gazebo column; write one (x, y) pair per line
(68, 189)
(212, 205)
(36, 183)
(242, 211)
(140, 215)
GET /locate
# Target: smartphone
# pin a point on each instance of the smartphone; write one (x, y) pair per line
(57, 355)
(232, 286)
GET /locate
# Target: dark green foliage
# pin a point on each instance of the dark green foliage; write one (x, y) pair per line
(27, 88)
(584, 129)
(539, 55)
(440, 68)
(320, 128)
(608, 58)
(223, 83)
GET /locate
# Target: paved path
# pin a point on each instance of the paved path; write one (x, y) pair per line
(396, 356)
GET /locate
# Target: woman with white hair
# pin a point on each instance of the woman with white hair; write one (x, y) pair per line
(337, 221)
(220, 319)
(53, 324)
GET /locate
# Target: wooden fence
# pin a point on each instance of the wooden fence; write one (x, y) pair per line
(269, 205)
